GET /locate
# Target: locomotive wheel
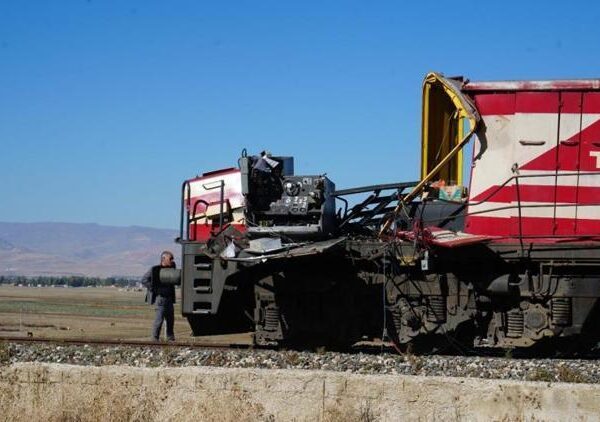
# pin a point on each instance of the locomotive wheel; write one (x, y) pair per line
(459, 341)
(308, 303)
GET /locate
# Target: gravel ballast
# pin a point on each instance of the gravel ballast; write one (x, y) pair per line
(548, 370)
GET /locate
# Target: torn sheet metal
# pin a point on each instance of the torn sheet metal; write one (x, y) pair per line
(445, 238)
(464, 110)
(265, 245)
(294, 251)
(450, 239)
(459, 108)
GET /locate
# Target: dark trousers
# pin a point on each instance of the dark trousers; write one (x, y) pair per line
(164, 311)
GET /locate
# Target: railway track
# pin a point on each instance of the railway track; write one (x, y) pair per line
(366, 347)
(125, 343)
(370, 347)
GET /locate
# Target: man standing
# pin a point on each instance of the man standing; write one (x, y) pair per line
(163, 295)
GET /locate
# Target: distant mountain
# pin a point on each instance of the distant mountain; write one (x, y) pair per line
(34, 249)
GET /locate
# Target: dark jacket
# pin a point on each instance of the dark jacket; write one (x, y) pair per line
(151, 280)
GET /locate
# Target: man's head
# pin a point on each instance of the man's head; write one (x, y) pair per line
(166, 259)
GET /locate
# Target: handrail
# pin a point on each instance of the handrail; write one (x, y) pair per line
(371, 188)
(184, 185)
(380, 203)
(221, 185)
(193, 218)
(520, 214)
(520, 205)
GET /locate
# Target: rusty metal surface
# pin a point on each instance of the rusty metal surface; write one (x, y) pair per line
(567, 84)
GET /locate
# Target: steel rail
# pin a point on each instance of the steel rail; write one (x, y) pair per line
(360, 347)
(126, 343)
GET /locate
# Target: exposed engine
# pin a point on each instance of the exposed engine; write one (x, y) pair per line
(278, 202)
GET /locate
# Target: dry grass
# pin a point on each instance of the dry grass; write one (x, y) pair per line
(4, 353)
(76, 312)
(347, 412)
(566, 374)
(541, 374)
(111, 313)
(83, 403)
(47, 394)
(95, 312)
(562, 374)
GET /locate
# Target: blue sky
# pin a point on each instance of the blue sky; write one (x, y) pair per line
(107, 106)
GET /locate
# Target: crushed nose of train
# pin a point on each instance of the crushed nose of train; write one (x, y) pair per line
(447, 113)
(449, 119)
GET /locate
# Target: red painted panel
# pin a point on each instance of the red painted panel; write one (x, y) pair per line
(548, 161)
(542, 228)
(585, 195)
(494, 104)
(200, 232)
(502, 194)
(590, 148)
(491, 226)
(588, 195)
(537, 193)
(589, 161)
(534, 226)
(564, 226)
(591, 102)
(536, 102)
(571, 102)
(541, 193)
(203, 232)
(570, 159)
(588, 227)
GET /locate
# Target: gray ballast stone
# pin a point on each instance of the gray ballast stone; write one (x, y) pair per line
(550, 370)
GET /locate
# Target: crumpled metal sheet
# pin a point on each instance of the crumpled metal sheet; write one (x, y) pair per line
(312, 248)
(444, 238)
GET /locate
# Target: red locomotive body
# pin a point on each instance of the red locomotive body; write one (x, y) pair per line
(536, 168)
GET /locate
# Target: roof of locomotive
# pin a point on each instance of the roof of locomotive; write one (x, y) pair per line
(550, 85)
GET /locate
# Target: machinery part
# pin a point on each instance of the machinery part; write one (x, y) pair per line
(536, 321)
(267, 315)
(514, 323)
(535, 317)
(271, 320)
(436, 311)
(405, 321)
(292, 189)
(561, 311)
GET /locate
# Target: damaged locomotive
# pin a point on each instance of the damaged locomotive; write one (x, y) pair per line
(497, 245)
